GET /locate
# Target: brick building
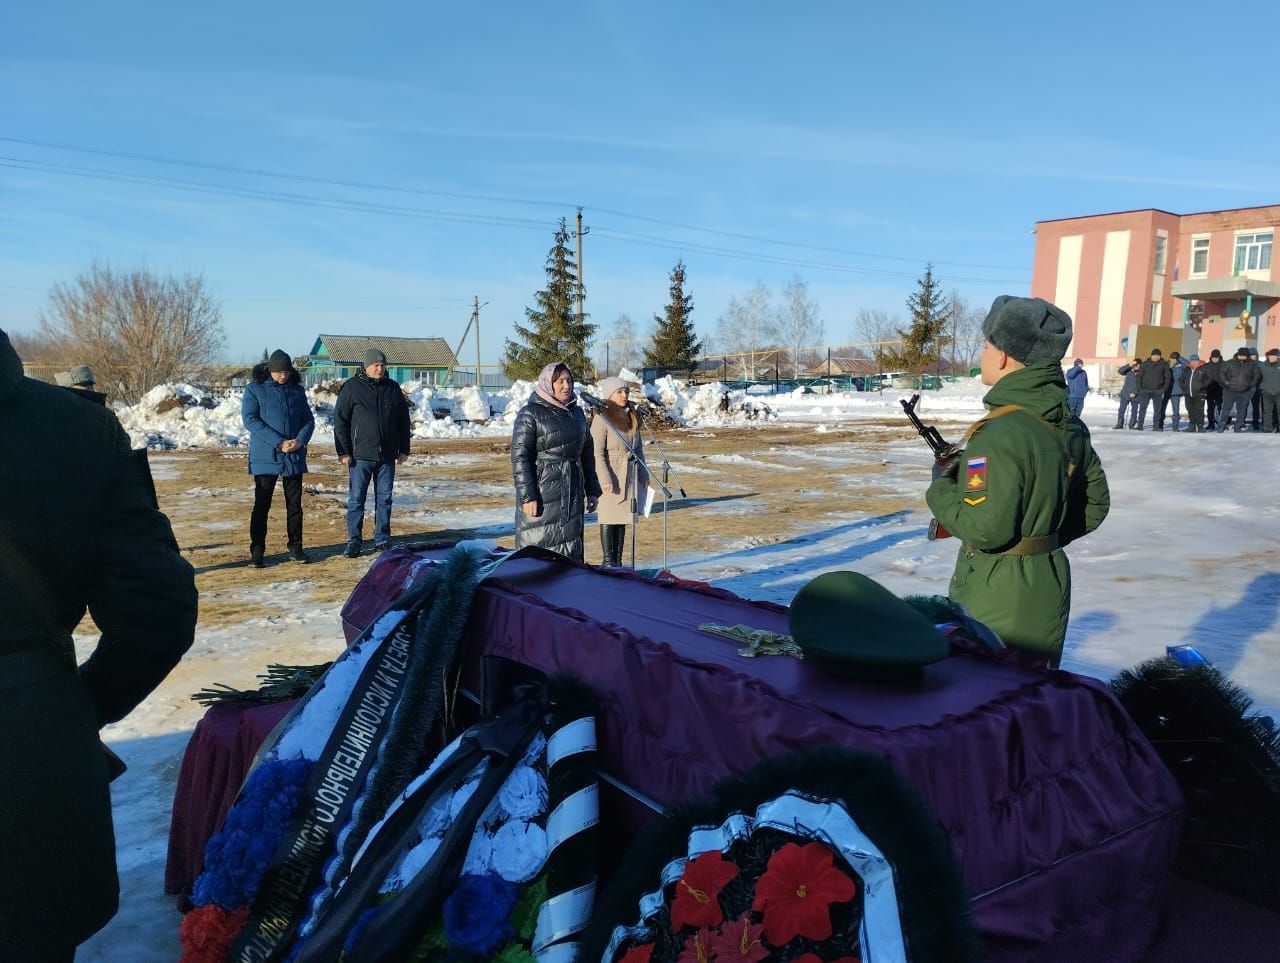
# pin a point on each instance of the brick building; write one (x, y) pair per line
(1128, 278)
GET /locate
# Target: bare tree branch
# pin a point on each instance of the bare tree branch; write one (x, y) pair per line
(137, 330)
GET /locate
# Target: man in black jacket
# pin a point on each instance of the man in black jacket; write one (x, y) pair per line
(1239, 377)
(371, 432)
(1129, 394)
(72, 539)
(1213, 388)
(1269, 388)
(1153, 381)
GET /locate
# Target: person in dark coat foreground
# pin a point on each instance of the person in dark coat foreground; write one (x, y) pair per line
(280, 423)
(371, 432)
(1027, 483)
(72, 539)
(554, 465)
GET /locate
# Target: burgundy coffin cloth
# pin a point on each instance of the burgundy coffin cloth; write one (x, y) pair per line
(1062, 817)
(216, 761)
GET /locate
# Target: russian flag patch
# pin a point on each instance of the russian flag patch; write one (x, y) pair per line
(975, 476)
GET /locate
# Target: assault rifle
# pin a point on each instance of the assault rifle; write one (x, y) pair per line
(942, 450)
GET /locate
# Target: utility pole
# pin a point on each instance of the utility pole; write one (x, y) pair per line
(475, 316)
(581, 290)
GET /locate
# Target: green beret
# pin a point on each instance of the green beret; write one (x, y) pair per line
(1030, 330)
(855, 627)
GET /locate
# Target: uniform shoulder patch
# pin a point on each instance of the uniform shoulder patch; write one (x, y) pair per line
(975, 474)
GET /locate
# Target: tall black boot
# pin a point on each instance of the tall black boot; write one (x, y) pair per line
(606, 545)
(619, 540)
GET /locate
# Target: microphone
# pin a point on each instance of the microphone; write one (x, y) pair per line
(588, 399)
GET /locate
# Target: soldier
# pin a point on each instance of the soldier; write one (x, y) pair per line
(1027, 483)
(1153, 382)
(1239, 377)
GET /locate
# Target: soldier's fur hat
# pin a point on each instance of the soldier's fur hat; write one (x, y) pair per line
(1030, 330)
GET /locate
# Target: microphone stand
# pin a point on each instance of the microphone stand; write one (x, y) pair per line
(662, 486)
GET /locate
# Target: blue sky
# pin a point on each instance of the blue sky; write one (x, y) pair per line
(428, 150)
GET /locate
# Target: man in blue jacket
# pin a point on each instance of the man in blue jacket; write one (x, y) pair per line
(280, 423)
(371, 432)
(1077, 387)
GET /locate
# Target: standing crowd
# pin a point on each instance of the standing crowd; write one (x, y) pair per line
(1241, 393)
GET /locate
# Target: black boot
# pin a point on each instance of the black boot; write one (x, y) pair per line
(255, 556)
(606, 545)
(619, 540)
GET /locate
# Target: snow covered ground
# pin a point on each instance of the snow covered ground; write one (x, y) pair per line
(1187, 555)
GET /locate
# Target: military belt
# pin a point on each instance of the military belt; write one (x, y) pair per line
(1039, 545)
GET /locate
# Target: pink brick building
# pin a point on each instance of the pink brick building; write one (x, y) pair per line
(1116, 273)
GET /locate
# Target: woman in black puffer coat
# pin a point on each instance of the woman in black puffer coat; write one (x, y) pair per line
(554, 465)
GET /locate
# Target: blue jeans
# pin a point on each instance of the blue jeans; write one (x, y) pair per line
(1075, 405)
(383, 476)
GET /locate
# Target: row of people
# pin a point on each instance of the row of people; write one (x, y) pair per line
(1239, 391)
(561, 467)
(370, 433)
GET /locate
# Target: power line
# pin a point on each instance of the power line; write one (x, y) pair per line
(306, 200)
(502, 199)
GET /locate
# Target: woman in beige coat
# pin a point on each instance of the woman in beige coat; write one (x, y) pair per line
(619, 485)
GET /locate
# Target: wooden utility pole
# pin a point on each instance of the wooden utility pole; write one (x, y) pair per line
(581, 290)
(475, 316)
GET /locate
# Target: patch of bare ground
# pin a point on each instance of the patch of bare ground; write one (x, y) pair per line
(766, 483)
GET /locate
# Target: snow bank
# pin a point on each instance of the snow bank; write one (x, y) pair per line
(182, 416)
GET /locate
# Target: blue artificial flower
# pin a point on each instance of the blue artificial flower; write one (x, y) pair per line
(237, 856)
(361, 924)
(477, 913)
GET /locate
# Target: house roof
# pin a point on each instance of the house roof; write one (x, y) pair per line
(400, 352)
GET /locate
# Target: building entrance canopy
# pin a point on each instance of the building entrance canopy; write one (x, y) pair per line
(1224, 289)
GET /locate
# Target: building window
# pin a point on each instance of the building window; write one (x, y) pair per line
(1154, 317)
(1162, 242)
(1253, 252)
(1200, 257)
(1195, 314)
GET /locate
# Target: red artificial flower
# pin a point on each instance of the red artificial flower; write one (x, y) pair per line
(797, 890)
(638, 954)
(697, 949)
(739, 942)
(697, 900)
(206, 933)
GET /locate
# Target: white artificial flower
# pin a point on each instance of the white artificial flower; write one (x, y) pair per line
(479, 855)
(460, 797)
(411, 864)
(524, 794)
(537, 746)
(519, 851)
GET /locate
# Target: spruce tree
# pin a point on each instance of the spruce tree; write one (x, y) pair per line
(553, 331)
(929, 315)
(675, 346)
